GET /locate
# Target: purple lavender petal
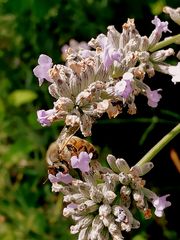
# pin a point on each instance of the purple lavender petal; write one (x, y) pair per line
(41, 70)
(160, 204)
(60, 177)
(65, 178)
(43, 117)
(123, 87)
(44, 59)
(81, 162)
(153, 97)
(72, 205)
(160, 26)
(52, 178)
(174, 71)
(110, 55)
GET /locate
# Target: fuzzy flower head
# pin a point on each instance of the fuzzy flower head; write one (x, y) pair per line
(41, 70)
(105, 78)
(101, 200)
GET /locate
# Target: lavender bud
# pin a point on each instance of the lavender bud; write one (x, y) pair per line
(150, 195)
(104, 235)
(97, 223)
(74, 229)
(174, 13)
(97, 227)
(77, 198)
(119, 213)
(178, 55)
(124, 178)
(83, 234)
(86, 221)
(109, 197)
(122, 165)
(104, 210)
(125, 190)
(107, 220)
(115, 231)
(56, 187)
(112, 163)
(144, 44)
(161, 55)
(139, 199)
(135, 224)
(95, 194)
(84, 189)
(68, 211)
(87, 207)
(145, 168)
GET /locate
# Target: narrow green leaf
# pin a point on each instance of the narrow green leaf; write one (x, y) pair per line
(21, 96)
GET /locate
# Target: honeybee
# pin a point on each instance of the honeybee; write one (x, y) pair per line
(67, 145)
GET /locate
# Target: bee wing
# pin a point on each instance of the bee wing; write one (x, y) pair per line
(65, 135)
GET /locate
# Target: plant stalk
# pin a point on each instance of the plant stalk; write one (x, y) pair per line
(165, 43)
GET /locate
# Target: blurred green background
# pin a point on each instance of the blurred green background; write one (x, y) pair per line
(28, 208)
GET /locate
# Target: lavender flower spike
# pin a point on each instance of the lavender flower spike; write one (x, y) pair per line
(41, 70)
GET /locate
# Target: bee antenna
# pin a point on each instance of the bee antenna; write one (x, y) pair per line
(45, 181)
(66, 134)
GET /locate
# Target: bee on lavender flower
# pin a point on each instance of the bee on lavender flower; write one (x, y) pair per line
(67, 145)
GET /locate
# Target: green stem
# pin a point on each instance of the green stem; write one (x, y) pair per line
(160, 145)
(165, 43)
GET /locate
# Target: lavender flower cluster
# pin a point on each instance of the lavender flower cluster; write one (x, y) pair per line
(101, 202)
(105, 76)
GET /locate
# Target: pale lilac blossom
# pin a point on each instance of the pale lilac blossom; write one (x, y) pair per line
(72, 205)
(43, 117)
(81, 162)
(110, 55)
(123, 87)
(153, 97)
(160, 26)
(175, 72)
(160, 203)
(41, 70)
(60, 177)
